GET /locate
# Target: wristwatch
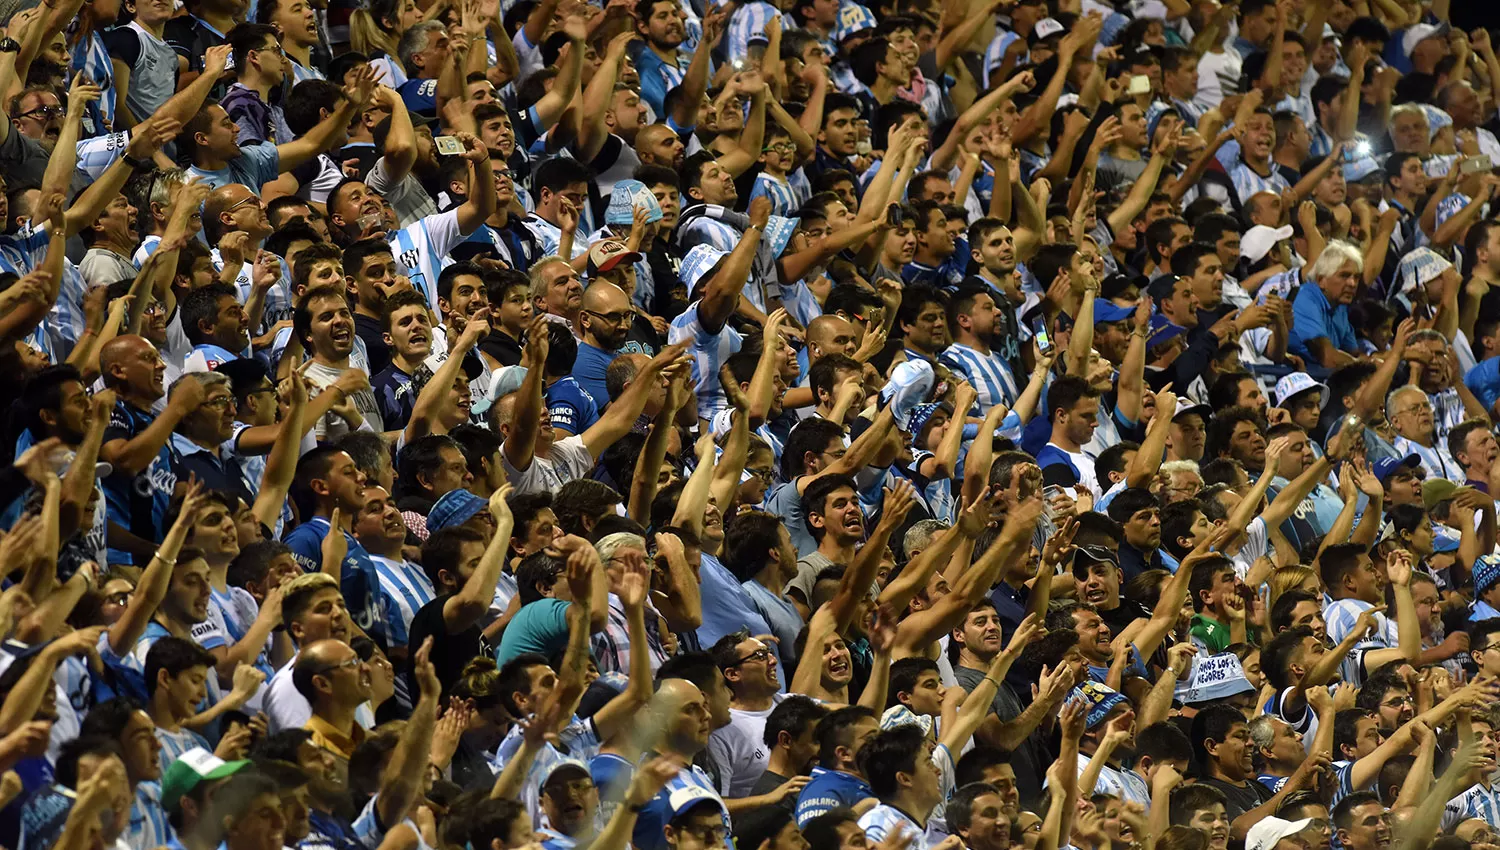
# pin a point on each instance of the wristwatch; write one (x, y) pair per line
(9, 45)
(137, 164)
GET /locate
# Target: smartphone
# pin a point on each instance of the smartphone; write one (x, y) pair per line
(894, 215)
(1139, 84)
(447, 145)
(229, 62)
(1039, 333)
(1478, 163)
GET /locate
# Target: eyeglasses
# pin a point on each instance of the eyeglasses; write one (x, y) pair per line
(155, 308)
(762, 654)
(43, 112)
(219, 403)
(272, 48)
(568, 789)
(765, 475)
(612, 318)
(780, 147)
(712, 835)
(347, 664)
(241, 203)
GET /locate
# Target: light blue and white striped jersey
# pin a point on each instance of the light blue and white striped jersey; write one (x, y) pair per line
(1436, 462)
(749, 21)
(300, 73)
(706, 230)
(1247, 182)
(148, 820)
(421, 251)
(1451, 205)
(370, 832)
(91, 57)
(550, 236)
(174, 744)
(147, 248)
(648, 826)
(1477, 802)
(579, 739)
(995, 53)
(1340, 617)
(883, 820)
(779, 192)
(1343, 781)
(404, 589)
(100, 152)
(710, 350)
(23, 253)
(989, 374)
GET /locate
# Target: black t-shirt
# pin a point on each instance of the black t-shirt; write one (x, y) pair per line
(1122, 615)
(450, 652)
(1239, 799)
(373, 334)
(505, 350)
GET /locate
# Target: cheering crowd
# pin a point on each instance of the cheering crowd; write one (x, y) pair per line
(748, 425)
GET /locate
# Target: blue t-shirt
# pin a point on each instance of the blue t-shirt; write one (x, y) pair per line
(540, 626)
(571, 408)
(726, 606)
(359, 583)
(1313, 318)
(138, 502)
(420, 96)
(588, 371)
(1484, 382)
(394, 396)
(256, 166)
(828, 789)
(946, 276)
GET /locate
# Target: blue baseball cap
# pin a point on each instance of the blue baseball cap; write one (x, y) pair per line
(1108, 311)
(454, 507)
(1162, 330)
(1385, 467)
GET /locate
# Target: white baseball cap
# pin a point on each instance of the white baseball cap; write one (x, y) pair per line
(1269, 831)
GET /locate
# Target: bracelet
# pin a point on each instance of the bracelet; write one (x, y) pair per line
(137, 164)
(637, 808)
(993, 681)
(171, 562)
(755, 227)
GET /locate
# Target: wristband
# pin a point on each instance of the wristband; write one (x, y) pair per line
(137, 164)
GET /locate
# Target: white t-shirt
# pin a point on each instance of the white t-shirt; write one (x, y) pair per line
(740, 751)
(569, 459)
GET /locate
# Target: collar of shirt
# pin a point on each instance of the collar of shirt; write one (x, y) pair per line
(329, 738)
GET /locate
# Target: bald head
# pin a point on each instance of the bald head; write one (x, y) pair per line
(831, 335)
(606, 315)
(329, 673)
(604, 297)
(128, 363)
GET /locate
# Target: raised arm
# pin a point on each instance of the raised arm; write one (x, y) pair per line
(722, 293)
(464, 608)
(152, 588)
(281, 463)
(597, 96)
(303, 149)
(402, 780)
(519, 448)
(620, 416)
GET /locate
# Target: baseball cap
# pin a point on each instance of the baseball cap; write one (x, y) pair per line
(1361, 168)
(607, 254)
(1085, 556)
(910, 384)
(1387, 466)
(1268, 832)
(192, 767)
(1260, 239)
(454, 507)
(1162, 330)
(1204, 410)
(1108, 311)
(1438, 490)
(1296, 383)
(1420, 33)
(1160, 288)
(682, 799)
(1045, 28)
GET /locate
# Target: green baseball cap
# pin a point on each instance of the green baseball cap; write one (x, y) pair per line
(190, 768)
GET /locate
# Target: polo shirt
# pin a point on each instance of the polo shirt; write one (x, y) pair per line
(1314, 318)
(327, 736)
(1210, 632)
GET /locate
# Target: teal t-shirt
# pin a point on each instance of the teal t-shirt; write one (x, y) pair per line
(541, 627)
